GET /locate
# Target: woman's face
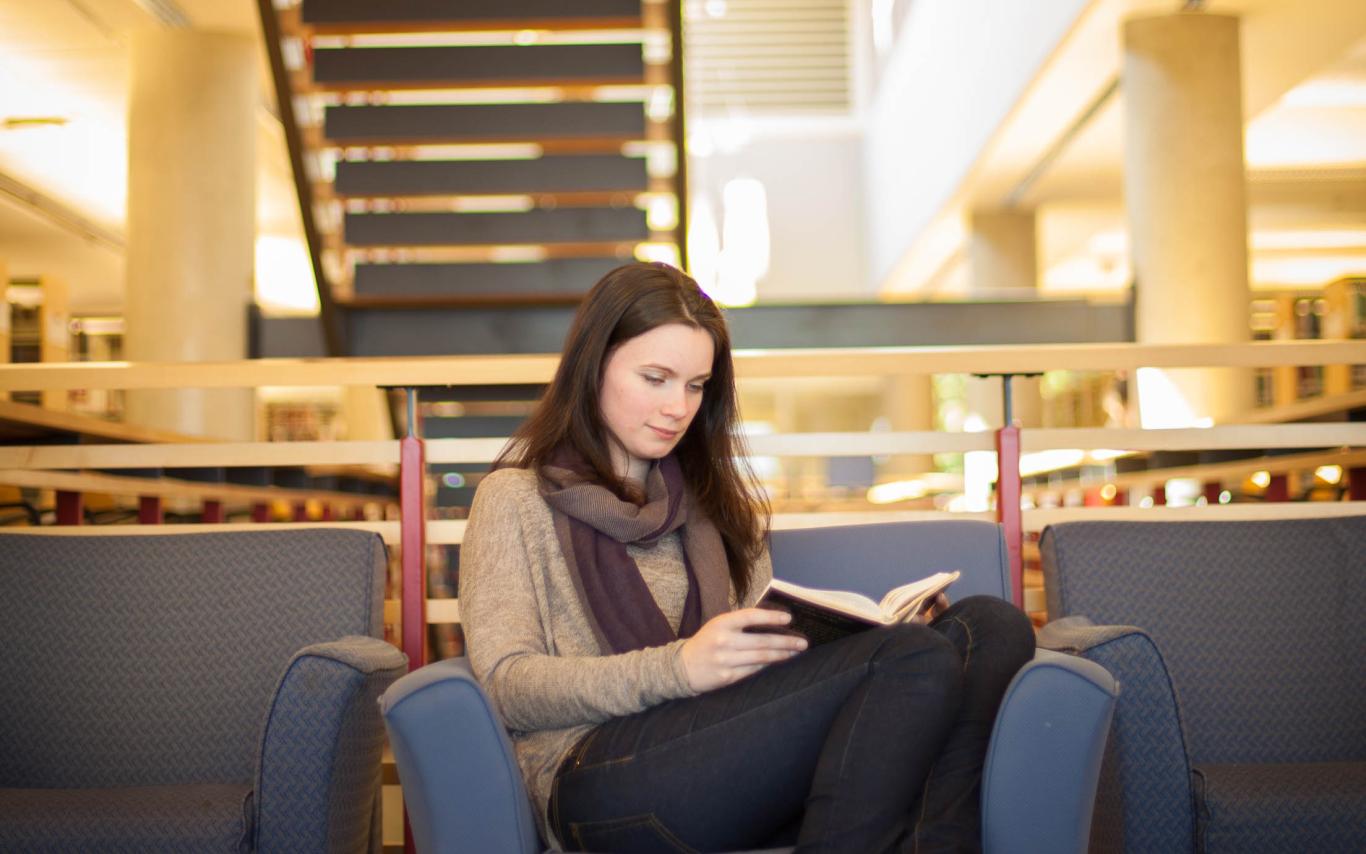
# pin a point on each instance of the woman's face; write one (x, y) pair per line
(651, 389)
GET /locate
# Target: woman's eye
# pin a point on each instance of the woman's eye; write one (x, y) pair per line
(653, 380)
(697, 388)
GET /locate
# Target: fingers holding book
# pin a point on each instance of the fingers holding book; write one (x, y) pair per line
(734, 645)
(931, 610)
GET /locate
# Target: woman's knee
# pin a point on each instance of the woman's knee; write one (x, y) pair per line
(918, 647)
(992, 625)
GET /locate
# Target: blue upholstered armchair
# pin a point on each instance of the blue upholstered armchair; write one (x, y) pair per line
(464, 792)
(1242, 650)
(192, 692)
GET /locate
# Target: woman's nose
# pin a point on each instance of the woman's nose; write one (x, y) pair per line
(676, 402)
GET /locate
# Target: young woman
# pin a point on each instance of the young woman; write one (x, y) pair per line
(607, 580)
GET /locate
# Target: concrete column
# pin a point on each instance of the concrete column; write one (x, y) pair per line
(191, 220)
(54, 331)
(1003, 257)
(908, 402)
(1184, 190)
(4, 320)
(1003, 251)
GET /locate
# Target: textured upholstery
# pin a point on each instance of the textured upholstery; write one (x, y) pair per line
(1290, 806)
(1249, 654)
(188, 819)
(320, 756)
(1147, 757)
(464, 791)
(151, 661)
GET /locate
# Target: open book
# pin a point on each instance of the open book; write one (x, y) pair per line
(821, 616)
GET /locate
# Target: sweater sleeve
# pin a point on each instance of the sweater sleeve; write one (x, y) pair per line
(507, 631)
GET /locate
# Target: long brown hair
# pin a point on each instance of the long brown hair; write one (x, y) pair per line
(627, 302)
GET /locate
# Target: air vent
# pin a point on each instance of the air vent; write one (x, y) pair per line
(767, 57)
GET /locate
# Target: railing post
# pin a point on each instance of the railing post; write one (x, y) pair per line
(1008, 506)
(213, 512)
(1356, 483)
(1278, 489)
(413, 538)
(149, 510)
(70, 507)
(1009, 489)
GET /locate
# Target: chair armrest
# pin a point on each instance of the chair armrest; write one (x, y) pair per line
(461, 782)
(1145, 802)
(1039, 781)
(319, 766)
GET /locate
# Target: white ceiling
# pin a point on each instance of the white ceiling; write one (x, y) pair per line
(1304, 83)
(68, 59)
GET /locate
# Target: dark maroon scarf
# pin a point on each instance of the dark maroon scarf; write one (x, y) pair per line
(594, 527)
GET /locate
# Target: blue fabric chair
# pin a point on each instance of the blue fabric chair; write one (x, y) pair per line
(1242, 727)
(464, 792)
(192, 692)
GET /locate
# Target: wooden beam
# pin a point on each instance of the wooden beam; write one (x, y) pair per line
(518, 369)
(25, 415)
(1233, 436)
(108, 484)
(235, 454)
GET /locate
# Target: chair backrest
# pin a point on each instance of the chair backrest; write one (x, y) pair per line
(873, 558)
(1260, 623)
(150, 659)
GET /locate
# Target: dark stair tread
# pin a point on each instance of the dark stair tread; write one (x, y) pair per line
(481, 66)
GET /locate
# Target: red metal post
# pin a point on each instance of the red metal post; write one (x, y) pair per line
(413, 539)
(328, 514)
(213, 512)
(1008, 505)
(260, 512)
(70, 507)
(149, 510)
(1212, 490)
(300, 511)
(1356, 484)
(1278, 489)
(1159, 496)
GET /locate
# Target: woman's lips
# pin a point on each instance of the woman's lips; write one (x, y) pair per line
(662, 433)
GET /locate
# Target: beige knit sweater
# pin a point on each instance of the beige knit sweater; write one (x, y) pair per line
(530, 643)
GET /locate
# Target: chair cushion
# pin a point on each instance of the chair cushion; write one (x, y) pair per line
(149, 659)
(1228, 604)
(151, 818)
(1302, 806)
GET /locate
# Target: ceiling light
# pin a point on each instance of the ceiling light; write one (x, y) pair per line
(25, 122)
(1329, 474)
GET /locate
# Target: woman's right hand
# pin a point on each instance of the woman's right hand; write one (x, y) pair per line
(722, 651)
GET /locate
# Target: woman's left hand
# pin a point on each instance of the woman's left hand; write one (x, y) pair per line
(938, 605)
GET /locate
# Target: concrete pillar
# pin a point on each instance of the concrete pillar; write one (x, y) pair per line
(191, 220)
(1002, 251)
(54, 331)
(1184, 191)
(4, 320)
(908, 402)
(1003, 257)
(366, 413)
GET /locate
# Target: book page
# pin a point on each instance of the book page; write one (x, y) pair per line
(905, 601)
(845, 601)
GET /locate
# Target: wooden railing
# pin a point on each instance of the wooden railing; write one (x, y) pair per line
(1341, 443)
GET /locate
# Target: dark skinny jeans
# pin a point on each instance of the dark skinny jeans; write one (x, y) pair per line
(874, 742)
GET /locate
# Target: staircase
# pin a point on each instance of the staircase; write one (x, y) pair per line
(453, 155)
